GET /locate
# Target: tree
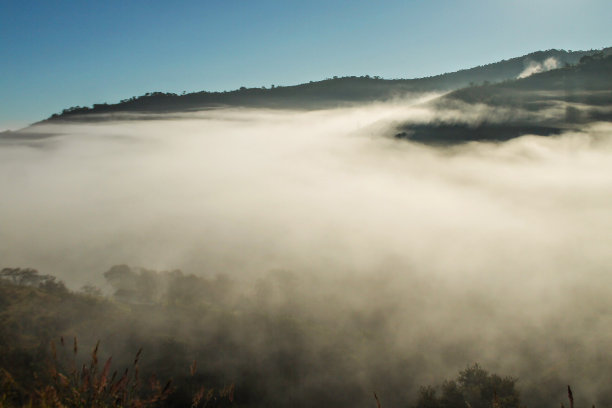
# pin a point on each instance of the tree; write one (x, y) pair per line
(134, 285)
(451, 395)
(428, 398)
(31, 277)
(474, 387)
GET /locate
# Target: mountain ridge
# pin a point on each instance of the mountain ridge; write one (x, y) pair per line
(327, 93)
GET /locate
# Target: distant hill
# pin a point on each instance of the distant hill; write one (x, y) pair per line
(587, 82)
(331, 92)
(542, 104)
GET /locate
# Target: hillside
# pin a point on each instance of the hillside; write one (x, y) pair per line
(544, 103)
(326, 93)
(275, 356)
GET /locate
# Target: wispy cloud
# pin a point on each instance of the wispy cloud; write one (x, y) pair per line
(533, 67)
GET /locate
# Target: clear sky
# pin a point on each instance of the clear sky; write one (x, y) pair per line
(57, 54)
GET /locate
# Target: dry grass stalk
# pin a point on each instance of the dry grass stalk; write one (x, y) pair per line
(92, 386)
(89, 387)
(377, 401)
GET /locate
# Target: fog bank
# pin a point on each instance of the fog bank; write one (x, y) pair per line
(490, 252)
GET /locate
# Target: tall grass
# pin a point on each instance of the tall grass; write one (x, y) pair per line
(94, 385)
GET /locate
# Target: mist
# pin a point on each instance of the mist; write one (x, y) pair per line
(533, 67)
(490, 252)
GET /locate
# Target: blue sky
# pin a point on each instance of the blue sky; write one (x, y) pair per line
(57, 54)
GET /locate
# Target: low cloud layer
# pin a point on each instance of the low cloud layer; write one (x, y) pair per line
(499, 251)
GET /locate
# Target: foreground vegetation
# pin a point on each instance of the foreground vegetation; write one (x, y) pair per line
(174, 340)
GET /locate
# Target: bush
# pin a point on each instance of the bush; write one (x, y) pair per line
(474, 387)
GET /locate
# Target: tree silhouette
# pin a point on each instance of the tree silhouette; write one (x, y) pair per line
(474, 387)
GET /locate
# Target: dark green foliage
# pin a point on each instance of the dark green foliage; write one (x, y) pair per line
(474, 387)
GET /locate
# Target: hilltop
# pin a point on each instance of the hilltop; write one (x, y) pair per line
(331, 92)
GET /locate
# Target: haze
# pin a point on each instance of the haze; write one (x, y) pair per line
(487, 248)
